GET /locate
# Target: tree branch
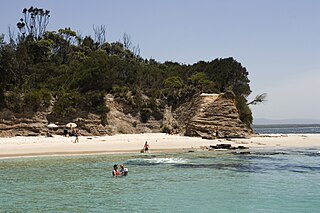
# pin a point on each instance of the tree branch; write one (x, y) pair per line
(258, 99)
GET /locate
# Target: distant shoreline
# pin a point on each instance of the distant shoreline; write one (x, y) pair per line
(284, 125)
(293, 121)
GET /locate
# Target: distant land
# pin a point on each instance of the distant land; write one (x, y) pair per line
(265, 121)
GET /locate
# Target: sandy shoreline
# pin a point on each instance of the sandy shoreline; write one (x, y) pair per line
(133, 143)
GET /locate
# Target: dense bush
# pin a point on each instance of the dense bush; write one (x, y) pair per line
(37, 100)
(77, 72)
(67, 104)
(14, 102)
(202, 83)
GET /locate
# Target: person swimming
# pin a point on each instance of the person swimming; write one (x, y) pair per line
(115, 171)
(123, 170)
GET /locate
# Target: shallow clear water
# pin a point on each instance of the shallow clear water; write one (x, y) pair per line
(211, 181)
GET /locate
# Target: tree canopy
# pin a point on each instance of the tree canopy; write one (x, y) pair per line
(76, 72)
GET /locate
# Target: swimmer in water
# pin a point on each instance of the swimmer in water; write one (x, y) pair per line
(115, 171)
(123, 170)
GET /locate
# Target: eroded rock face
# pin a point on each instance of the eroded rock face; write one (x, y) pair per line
(12, 124)
(213, 116)
(208, 116)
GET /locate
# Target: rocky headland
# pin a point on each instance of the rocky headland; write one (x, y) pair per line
(208, 116)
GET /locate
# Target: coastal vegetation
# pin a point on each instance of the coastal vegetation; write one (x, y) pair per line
(73, 73)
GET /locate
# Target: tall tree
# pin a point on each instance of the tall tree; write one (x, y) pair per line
(127, 43)
(100, 35)
(34, 22)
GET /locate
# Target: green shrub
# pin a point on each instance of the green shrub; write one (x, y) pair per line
(244, 111)
(174, 82)
(46, 97)
(37, 99)
(165, 128)
(201, 82)
(104, 120)
(145, 114)
(32, 101)
(14, 101)
(67, 104)
(2, 97)
(120, 91)
(94, 101)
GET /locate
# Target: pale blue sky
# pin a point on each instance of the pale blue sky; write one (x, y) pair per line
(278, 41)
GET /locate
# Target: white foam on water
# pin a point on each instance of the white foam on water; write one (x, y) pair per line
(166, 160)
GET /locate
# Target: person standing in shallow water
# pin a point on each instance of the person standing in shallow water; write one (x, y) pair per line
(146, 147)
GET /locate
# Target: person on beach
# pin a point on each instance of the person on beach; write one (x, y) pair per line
(76, 134)
(146, 147)
(65, 133)
(123, 170)
(73, 132)
(115, 171)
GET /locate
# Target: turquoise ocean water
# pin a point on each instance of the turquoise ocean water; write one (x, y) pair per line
(205, 181)
(287, 129)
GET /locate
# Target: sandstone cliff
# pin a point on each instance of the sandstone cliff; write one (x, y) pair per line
(212, 116)
(207, 116)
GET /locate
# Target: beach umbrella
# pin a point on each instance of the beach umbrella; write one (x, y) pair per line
(52, 125)
(71, 125)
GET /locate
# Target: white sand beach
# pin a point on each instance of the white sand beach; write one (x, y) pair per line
(133, 143)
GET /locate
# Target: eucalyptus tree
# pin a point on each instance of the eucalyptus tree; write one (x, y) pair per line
(100, 35)
(34, 22)
(62, 43)
(133, 50)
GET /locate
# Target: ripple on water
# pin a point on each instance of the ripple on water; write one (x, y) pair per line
(285, 180)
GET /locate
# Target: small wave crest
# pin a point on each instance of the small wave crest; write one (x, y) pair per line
(166, 160)
(156, 161)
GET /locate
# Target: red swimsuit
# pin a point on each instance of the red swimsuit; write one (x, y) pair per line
(116, 173)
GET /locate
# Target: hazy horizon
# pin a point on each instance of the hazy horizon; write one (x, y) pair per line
(266, 121)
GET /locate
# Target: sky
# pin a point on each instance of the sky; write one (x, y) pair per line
(278, 41)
